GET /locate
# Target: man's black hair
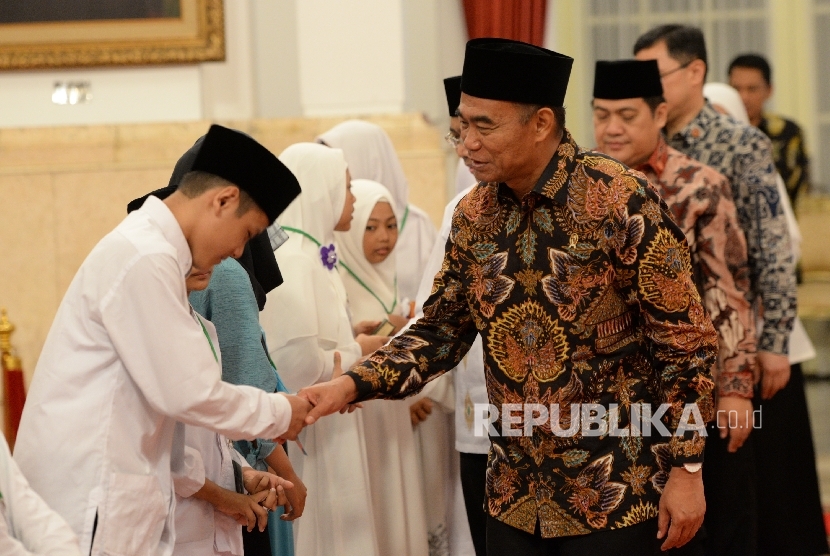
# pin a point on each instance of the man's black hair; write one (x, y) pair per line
(654, 102)
(683, 42)
(752, 61)
(558, 114)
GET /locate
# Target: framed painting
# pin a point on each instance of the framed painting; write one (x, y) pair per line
(40, 34)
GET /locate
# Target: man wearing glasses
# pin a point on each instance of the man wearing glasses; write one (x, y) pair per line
(743, 154)
(463, 175)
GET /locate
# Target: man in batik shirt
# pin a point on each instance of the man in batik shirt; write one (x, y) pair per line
(581, 288)
(751, 76)
(743, 154)
(629, 115)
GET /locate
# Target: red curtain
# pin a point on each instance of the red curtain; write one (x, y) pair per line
(521, 20)
(15, 394)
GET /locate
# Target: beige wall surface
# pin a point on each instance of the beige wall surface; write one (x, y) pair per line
(63, 189)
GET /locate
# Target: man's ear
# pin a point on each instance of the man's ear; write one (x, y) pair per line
(545, 122)
(698, 72)
(661, 114)
(225, 199)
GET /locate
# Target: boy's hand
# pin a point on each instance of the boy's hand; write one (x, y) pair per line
(245, 508)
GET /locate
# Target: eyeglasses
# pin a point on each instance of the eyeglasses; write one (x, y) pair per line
(452, 139)
(678, 68)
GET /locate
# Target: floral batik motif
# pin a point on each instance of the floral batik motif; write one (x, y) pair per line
(700, 200)
(562, 287)
(743, 154)
(526, 340)
(592, 494)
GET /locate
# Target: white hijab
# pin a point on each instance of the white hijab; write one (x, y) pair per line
(311, 303)
(371, 287)
(321, 172)
(370, 155)
(727, 97)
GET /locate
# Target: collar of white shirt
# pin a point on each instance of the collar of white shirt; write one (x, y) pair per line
(169, 226)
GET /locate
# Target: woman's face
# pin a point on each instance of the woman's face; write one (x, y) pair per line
(198, 280)
(381, 233)
(345, 222)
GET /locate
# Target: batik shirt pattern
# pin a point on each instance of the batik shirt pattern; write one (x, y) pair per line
(743, 154)
(700, 199)
(582, 292)
(788, 152)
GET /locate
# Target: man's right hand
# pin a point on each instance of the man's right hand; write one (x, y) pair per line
(775, 372)
(741, 408)
(329, 397)
(300, 407)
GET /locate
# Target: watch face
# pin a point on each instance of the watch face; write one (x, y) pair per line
(692, 467)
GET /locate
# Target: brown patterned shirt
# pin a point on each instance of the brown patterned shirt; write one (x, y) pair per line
(582, 293)
(700, 199)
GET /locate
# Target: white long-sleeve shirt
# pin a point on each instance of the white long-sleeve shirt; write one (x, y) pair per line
(470, 386)
(28, 526)
(201, 529)
(124, 360)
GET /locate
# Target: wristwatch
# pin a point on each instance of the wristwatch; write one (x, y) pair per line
(692, 467)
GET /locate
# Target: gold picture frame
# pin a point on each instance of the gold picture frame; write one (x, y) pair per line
(198, 35)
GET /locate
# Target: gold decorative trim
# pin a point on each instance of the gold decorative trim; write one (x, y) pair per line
(151, 41)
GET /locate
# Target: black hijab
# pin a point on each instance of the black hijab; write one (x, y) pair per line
(259, 261)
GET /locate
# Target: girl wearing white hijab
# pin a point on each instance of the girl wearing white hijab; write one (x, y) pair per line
(367, 267)
(371, 156)
(306, 321)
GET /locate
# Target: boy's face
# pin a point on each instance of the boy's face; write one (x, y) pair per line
(220, 231)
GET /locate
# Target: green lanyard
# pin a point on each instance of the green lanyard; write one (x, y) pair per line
(268, 355)
(405, 216)
(351, 272)
(207, 336)
(368, 289)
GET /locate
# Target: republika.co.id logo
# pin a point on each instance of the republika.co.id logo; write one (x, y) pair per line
(591, 419)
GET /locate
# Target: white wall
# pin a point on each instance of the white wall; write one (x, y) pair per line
(351, 56)
(276, 61)
(118, 96)
(228, 87)
(434, 37)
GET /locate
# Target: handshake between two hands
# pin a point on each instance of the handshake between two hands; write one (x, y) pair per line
(320, 400)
